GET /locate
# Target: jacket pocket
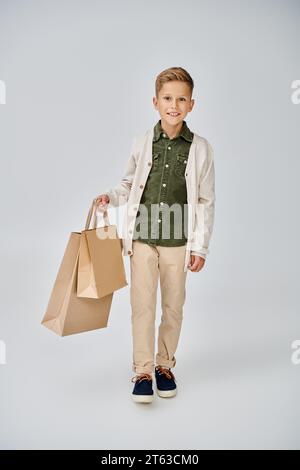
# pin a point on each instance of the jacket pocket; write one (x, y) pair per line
(180, 165)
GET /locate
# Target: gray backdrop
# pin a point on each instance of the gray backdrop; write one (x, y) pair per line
(79, 79)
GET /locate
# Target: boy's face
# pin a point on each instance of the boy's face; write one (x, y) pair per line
(174, 97)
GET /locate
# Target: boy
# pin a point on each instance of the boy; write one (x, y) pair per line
(169, 166)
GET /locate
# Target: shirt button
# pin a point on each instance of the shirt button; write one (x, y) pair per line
(149, 163)
(164, 135)
(169, 148)
(167, 166)
(184, 161)
(164, 185)
(159, 220)
(129, 252)
(141, 186)
(130, 231)
(161, 203)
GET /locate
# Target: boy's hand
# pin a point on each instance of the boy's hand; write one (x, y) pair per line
(102, 200)
(196, 263)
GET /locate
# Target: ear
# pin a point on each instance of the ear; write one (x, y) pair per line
(154, 100)
(192, 102)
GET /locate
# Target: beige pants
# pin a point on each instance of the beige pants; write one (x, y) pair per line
(147, 264)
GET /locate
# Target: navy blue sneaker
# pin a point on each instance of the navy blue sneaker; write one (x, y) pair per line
(142, 392)
(165, 382)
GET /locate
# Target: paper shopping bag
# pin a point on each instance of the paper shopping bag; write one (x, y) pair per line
(101, 267)
(66, 313)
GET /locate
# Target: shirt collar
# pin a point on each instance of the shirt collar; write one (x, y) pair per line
(185, 132)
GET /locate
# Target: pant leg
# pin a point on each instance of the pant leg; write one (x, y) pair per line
(143, 295)
(173, 294)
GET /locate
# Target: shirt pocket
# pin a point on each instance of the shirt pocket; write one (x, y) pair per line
(180, 165)
(155, 160)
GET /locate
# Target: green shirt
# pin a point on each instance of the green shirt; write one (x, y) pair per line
(162, 215)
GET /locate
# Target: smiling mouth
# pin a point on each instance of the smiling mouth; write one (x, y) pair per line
(173, 114)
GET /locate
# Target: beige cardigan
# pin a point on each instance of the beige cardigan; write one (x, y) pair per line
(200, 183)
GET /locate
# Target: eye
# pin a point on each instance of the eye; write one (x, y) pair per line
(166, 97)
(182, 99)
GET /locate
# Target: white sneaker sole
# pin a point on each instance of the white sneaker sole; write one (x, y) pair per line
(166, 393)
(143, 398)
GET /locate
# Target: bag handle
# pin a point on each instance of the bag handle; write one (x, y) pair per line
(92, 216)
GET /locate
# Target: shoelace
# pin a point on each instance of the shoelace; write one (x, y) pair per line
(166, 372)
(140, 377)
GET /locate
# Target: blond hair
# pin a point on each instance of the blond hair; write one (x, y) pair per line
(171, 74)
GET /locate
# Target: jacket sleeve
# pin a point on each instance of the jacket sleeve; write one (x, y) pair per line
(119, 194)
(205, 208)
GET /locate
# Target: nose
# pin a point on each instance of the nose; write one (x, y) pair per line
(174, 104)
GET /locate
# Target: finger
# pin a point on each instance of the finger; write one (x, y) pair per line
(99, 202)
(195, 266)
